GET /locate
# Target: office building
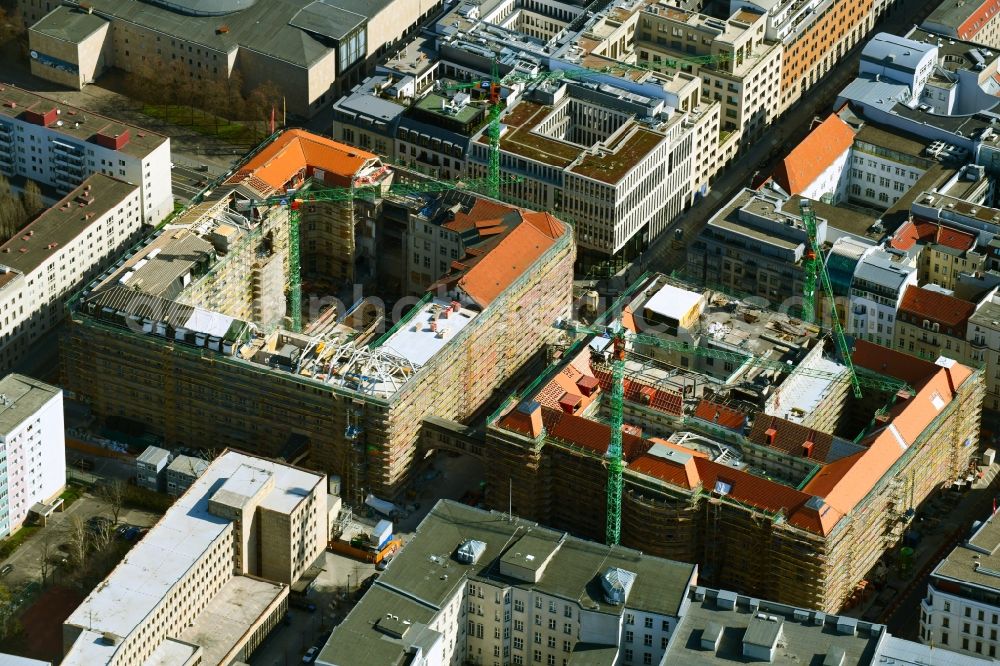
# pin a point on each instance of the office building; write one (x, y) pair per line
(799, 510)
(52, 257)
(311, 51)
(61, 146)
(945, 252)
(33, 470)
(930, 324)
(473, 586)
(150, 468)
(210, 579)
(876, 291)
(363, 389)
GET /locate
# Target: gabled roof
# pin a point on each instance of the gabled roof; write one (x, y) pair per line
(919, 230)
(510, 258)
(814, 154)
(940, 308)
(296, 152)
(790, 437)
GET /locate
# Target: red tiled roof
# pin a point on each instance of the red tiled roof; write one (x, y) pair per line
(508, 260)
(664, 401)
(920, 303)
(588, 434)
(905, 237)
(790, 437)
(481, 211)
(296, 153)
(721, 415)
(919, 230)
(953, 238)
(808, 160)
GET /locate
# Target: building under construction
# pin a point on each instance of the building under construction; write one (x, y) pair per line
(779, 483)
(193, 334)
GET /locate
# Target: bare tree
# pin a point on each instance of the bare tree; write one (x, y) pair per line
(31, 199)
(79, 537)
(262, 102)
(113, 492)
(101, 534)
(48, 553)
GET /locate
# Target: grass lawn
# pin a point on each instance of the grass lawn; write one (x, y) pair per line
(10, 544)
(201, 122)
(70, 495)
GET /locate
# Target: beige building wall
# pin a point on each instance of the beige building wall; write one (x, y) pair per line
(395, 19)
(90, 55)
(943, 267)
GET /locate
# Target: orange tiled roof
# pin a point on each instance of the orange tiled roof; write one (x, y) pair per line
(919, 303)
(919, 230)
(953, 238)
(814, 155)
(790, 437)
(297, 153)
(481, 210)
(905, 237)
(721, 415)
(639, 393)
(510, 258)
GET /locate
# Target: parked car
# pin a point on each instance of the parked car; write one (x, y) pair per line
(310, 655)
(6, 569)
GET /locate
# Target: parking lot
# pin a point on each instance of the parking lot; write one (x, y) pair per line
(191, 179)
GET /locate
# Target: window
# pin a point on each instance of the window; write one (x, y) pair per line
(649, 623)
(518, 605)
(647, 640)
(647, 658)
(552, 624)
(628, 655)
(629, 618)
(628, 636)
(518, 625)
(518, 643)
(538, 638)
(568, 612)
(567, 628)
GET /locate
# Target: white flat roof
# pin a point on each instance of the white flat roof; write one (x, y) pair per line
(419, 346)
(159, 561)
(671, 301)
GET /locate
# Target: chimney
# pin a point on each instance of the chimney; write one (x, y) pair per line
(807, 449)
(770, 434)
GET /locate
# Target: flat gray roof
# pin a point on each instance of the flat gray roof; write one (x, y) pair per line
(977, 561)
(69, 24)
(804, 641)
(78, 124)
(24, 397)
(425, 574)
(153, 455)
(900, 142)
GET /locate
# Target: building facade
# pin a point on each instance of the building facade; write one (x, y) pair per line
(879, 282)
(977, 22)
(150, 468)
(930, 324)
(33, 444)
(51, 258)
(62, 146)
(213, 573)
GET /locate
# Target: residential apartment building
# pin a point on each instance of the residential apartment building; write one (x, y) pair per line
(977, 22)
(930, 324)
(879, 283)
(61, 146)
(32, 448)
(49, 260)
(739, 68)
(311, 52)
(945, 253)
(753, 245)
(515, 593)
(150, 468)
(364, 402)
(962, 609)
(210, 579)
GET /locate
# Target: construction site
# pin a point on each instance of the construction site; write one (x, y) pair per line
(200, 334)
(744, 447)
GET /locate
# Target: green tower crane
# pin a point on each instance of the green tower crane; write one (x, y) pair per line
(819, 267)
(619, 337)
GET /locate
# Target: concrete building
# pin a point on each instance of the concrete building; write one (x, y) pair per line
(877, 288)
(182, 472)
(150, 469)
(884, 166)
(738, 66)
(753, 245)
(962, 609)
(61, 146)
(32, 448)
(971, 21)
(515, 593)
(311, 51)
(983, 336)
(210, 579)
(800, 509)
(365, 390)
(930, 324)
(945, 252)
(51, 258)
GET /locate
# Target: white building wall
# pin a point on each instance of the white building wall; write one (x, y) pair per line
(959, 624)
(878, 181)
(832, 182)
